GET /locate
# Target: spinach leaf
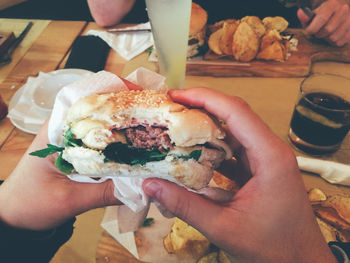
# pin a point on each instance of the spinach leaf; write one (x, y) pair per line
(64, 166)
(196, 154)
(124, 153)
(149, 50)
(148, 222)
(51, 149)
(69, 139)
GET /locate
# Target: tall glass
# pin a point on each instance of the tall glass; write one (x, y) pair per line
(170, 22)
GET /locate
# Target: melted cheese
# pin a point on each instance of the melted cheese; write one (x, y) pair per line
(81, 128)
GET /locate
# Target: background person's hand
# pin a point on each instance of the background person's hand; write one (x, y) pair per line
(270, 218)
(331, 22)
(38, 196)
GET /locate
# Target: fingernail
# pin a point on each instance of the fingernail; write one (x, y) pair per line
(151, 188)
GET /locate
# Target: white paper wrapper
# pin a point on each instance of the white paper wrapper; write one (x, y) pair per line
(332, 172)
(128, 45)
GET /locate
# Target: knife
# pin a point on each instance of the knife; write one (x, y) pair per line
(6, 58)
(306, 6)
(121, 30)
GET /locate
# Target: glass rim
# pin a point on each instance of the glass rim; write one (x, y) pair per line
(317, 105)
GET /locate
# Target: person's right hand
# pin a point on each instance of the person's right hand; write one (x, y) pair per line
(331, 22)
(270, 218)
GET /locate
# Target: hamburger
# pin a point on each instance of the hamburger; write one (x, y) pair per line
(197, 33)
(141, 133)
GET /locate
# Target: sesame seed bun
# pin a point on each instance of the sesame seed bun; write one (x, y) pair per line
(96, 120)
(199, 19)
(197, 32)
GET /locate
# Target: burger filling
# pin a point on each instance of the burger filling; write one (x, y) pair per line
(135, 145)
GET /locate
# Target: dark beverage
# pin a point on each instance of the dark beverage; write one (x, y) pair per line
(320, 122)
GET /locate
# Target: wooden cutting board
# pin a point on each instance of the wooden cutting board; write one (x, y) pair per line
(298, 64)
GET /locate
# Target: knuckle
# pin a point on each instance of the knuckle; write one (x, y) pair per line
(333, 38)
(240, 102)
(345, 8)
(107, 197)
(182, 208)
(328, 29)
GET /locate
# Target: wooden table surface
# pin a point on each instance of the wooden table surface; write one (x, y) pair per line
(46, 48)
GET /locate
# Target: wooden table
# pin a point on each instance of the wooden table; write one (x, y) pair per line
(46, 48)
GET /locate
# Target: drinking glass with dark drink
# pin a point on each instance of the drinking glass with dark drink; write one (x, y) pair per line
(321, 117)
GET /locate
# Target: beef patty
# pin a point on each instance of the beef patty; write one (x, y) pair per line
(148, 137)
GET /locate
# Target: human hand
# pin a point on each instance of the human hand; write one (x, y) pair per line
(270, 218)
(331, 22)
(38, 196)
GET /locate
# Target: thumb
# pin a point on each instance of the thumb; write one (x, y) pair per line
(93, 195)
(303, 17)
(190, 207)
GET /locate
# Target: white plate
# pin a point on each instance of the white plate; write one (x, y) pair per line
(45, 94)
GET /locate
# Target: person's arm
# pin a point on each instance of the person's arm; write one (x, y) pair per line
(38, 205)
(270, 218)
(109, 12)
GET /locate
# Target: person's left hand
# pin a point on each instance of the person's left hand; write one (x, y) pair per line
(38, 196)
(331, 22)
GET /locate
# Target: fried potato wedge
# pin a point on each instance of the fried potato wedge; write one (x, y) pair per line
(224, 183)
(227, 37)
(330, 233)
(168, 244)
(186, 240)
(256, 24)
(245, 43)
(316, 195)
(330, 216)
(210, 258)
(223, 258)
(214, 41)
(341, 204)
(278, 23)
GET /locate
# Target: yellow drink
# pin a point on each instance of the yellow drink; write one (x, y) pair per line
(170, 22)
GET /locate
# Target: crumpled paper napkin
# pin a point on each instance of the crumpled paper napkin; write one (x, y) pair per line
(333, 172)
(25, 110)
(128, 45)
(127, 189)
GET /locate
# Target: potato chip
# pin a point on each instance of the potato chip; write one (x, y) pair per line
(256, 24)
(184, 239)
(316, 195)
(272, 52)
(278, 23)
(214, 41)
(168, 245)
(341, 204)
(330, 216)
(245, 44)
(210, 258)
(227, 37)
(269, 38)
(223, 182)
(223, 258)
(215, 27)
(328, 232)
(272, 47)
